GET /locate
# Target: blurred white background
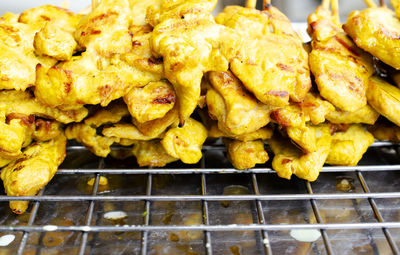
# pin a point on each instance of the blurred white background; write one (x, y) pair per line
(296, 10)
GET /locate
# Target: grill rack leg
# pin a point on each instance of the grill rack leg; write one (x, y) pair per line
(378, 214)
(261, 218)
(32, 218)
(89, 214)
(318, 217)
(145, 234)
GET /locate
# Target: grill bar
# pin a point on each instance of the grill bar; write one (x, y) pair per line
(206, 217)
(319, 220)
(213, 228)
(52, 198)
(261, 218)
(89, 214)
(32, 217)
(326, 169)
(145, 234)
(378, 214)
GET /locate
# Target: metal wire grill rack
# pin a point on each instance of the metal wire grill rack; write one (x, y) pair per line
(188, 211)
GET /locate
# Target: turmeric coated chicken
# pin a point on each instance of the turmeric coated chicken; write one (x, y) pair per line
(245, 155)
(365, 115)
(33, 170)
(348, 146)
(290, 160)
(376, 30)
(340, 68)
(270, 61)
(185, 143)
(385, 99)
(237, 111)
(151, 102)
(22, 102)
(151, 153)
(187, 37)
(385, 132)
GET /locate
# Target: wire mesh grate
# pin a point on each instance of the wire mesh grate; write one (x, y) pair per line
(188, 209)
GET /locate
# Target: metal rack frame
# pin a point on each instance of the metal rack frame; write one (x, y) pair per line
(205, 198)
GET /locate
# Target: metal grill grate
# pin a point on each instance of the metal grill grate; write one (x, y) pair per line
(256, 221)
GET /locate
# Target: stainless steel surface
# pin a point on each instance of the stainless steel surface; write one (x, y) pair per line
(182, 210)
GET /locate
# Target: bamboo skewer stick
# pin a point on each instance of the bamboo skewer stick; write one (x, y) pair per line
(325, 4)
(382, 3)
(370, 3)
(335, 11)
(251, 4)
(94, 4)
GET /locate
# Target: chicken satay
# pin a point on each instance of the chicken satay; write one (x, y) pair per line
(261, 134)
(384, 98)
(245, 155)
(87, 135)
(113, 113)
(191, 43)
(236, 110)
(349, 146)
(127, 131)
(340, 68)
(33, 170)
(151, 154)
(385, 132)
(290, 160)
(365, 115)
(155, 127)
(24, 103)
(376, 30)
(185, 143)
(18, 60)
(270, 61)
(151, 102)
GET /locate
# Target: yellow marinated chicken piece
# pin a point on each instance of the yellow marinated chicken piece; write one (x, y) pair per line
(185, 143)
(348, 147)
(376, 30)
(139, 10)
(5, 161)
(235, 109)
(54, 42)
(151, 102)
(86, 79)
(304, 137)
(386, 132)
(105, 30)
(44, 14)
(340, 68)
(46, 130)
(17, 58)
(13, 137)
(33, 170)
(190, 42)
(113, 113)
(152, 154)
(384, 98)
(261, 134)
(55, 38)
(24, 103)
(366, 115)
(245, 155)
(86, 135)
(127, 131)
(316, 108)
(92, 79)
(155, 127)
(271, 61)
(290, 160)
